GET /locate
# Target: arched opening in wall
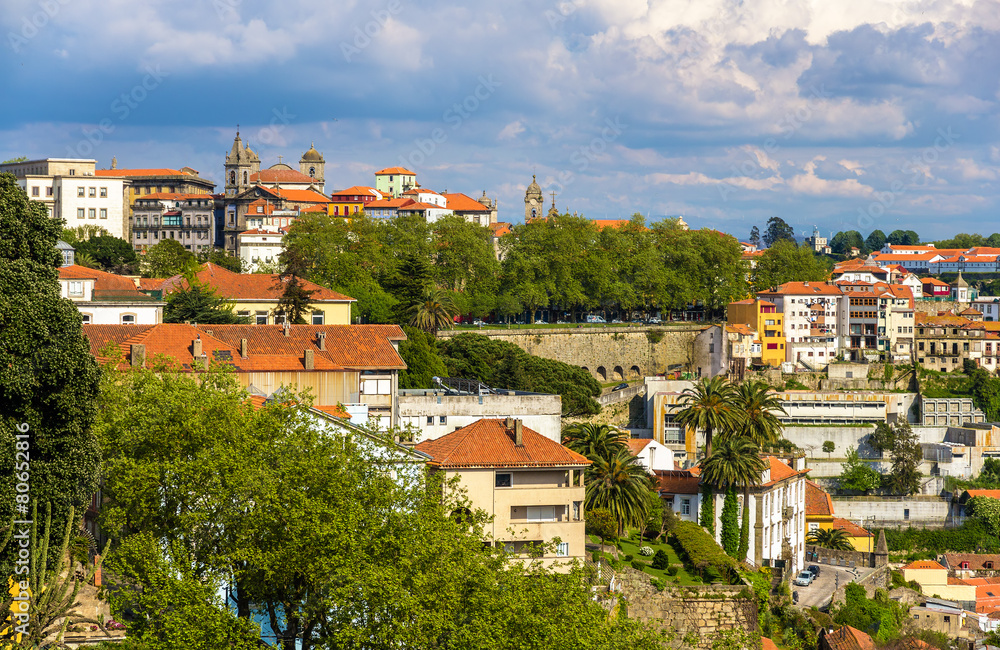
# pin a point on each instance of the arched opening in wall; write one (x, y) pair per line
(602, 373)
(634, 372)
(619, 374)
(585, 368)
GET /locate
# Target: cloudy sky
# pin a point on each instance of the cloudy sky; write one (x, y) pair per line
(854, 114)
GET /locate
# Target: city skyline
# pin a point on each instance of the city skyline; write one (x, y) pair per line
(854, 117)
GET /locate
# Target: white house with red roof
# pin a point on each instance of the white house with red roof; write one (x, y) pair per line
(482, 211)
(652, 455)
(108, 299)
(532, 486)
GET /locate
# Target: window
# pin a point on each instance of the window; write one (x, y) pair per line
(48, 191)
(541, 513)
(813, 526)
(906, 514)
(86, 319)
(261, 318)
(503, 480)
(685, 506)
(80, 192)
(91, 213)
(76, 288)
(72, 172)
(317, 318)
(443, 419)
(80, 213)
(128, 319)
(34, 191)
(92, 192)
(576, 510)
(562, 550)
(430, 420)
(104, 192)
(104, 213)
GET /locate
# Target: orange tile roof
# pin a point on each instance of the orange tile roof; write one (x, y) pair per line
(459, 202)
(804, 288)
(301, 196)
(849, 638)
(151, 284)
(741, 328)
(387, 203)
(935, 282)
(348, 347)
(636, 445)
(601, 224)
(357, 190)
(420, 190)
(395, 170)
(976, 561)
(336, 410)
(102, 281)
(779, 470)
(922, 565)
(851, 528)
(767, 644)
(250, 286)
(947, 318)
(500, 228)
(417, 206)
(488, 443)
(992, 494)
(280, 176)
(678, 481)
(818, 501)
(121, 173)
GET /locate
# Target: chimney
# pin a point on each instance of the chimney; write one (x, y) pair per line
(138, 355)
(508, 423)
(310, 360)
(243, 348)
(518, 433)
(322, 341)
(286, 327)
(196, 347)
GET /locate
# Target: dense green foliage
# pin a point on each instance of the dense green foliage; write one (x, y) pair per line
(903, 447)
(48, 377)
(219, 257)
(504, 365)
(858, 475)
(602, 523)
(423, 363)
(197, 302)
(777, 231)
(166, 259)
(565, 263)
(986, 393)
(294, 300)
(986, 510)
(832, 538)
(699, 550)
(114, 255)
(785, 262)
(730, 534)
(971, 537)
(965, 240)
(880, 617)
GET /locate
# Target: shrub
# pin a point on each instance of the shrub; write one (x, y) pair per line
(629, 557)
(615, 564)
(671, 571)
(661, 560)
(638, 565)
(646, 551)
(699, 549)
(659, 584)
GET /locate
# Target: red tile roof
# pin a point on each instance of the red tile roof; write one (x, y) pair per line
(849, 527)
(676, 481)
(348, 347)
(818, 502)
(151, 284)
(250, 286)
(420, 190)
(395, 170)
(459, 202)
(601, 224)
(636, 445)
(977, 561)
(102, 281)
(922, 565)
(935, 282)
(992, 494)
(500, 228)
(804, 288)
(387, 203)
(357, 190)
(417, 206)
(281, 176)
(336, 411)
(489, 443)
(780, 471)
(849, 638)
(302, 196)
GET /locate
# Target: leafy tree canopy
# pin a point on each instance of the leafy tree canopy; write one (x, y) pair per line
(778, 230)
(167, 259)
(785, 262)
(219, 257)
(113, 254)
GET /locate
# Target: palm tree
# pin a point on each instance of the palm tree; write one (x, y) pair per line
(834, 539)
(709, 405)
(758, 409)
(620, 484)
(594, 440)
(436, 310)
(735, 463)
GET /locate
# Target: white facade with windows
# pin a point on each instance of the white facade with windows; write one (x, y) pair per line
(101, 305)
(260, 249)
(432, 413)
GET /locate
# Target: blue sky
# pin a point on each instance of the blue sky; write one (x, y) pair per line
(856, 114)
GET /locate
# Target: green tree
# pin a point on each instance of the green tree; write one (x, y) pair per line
(16, 159)
(777, 230)
(712, 267)
(785, 262)
(466, 264)
(903, 238)
(423, 362)
(602, 523)
(620, 484)
(857, 475)
(709, 405)
(197, 302)
(842, 242)
(903, 446)
(730, 534)
(834, 539)
(434, 311)
(754, 237)
(48, 377)
(220, 257)
(876, 240)
(166, 259)
(828, 447)
(736, 463)
(294, 301)
(758, 408)
(594, 440)
(113, 254)
(987, 510)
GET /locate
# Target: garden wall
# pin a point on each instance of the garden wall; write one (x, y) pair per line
(700, 611)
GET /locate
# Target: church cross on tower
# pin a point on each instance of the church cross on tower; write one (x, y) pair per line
(553, 199)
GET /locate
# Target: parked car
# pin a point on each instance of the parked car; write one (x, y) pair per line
(813, 569)
(804, 579)
(616, 320)
(621, 386)
(541, 322)
(594, 318)
(655, 320)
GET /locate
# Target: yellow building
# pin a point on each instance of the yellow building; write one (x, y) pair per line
(763, 317)
(934, 581)
(256, 296)
(352, 200)
(860, 539)
(532, 486)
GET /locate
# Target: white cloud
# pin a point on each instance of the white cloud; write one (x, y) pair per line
(511, 130)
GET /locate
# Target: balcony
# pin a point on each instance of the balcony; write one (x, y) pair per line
(787, 512)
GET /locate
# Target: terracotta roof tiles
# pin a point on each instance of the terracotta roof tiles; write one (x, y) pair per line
(818, 501)
(849, 638)
(677, 481)
(281, 176)
(489, 443)
(103, 281)
(250, 286)
(923, 565)
(395, 170)
(459, 202)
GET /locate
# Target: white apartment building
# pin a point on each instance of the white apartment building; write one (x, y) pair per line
(70, 191)
(811, 325)
(187, 218)
(261, 247)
